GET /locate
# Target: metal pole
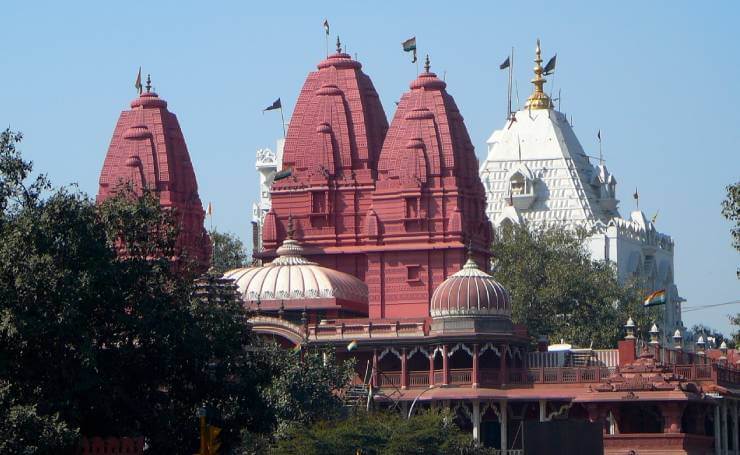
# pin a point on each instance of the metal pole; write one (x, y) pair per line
(282, 119)
(413, 403)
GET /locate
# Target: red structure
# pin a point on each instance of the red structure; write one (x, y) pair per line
(383, 218)
(148, 151)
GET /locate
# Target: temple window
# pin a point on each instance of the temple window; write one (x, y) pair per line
(518, 184)
(412, 207)
(413, 273)
(318, 202)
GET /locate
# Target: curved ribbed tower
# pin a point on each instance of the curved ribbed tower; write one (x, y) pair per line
(148, 150)
(331, 150)
(428, 205)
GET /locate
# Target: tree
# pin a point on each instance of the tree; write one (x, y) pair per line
(428, 432)
(97, 343)
(731, 211)
(228, 252)
(558, 291)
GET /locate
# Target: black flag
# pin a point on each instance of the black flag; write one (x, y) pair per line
(275, 105)
(504, 65)
(550, 67)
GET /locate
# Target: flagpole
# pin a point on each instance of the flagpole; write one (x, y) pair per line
(511, 70)
(282, 119)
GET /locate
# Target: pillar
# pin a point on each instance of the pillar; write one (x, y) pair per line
(725, 427)
(504, 411)
(672, 413)
(445, 366)
(476, 380)
(476, 420)
(404, 375)
(735, 436)
(717, 438)
(431, 369)
(543, 410)
(503, 373)
(375, 368)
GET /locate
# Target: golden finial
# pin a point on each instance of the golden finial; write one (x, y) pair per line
(538, 99)
(291, 227)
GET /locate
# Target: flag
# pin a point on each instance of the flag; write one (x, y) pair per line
(410, 46)
(655, 217)
(137, 84)
(326, 27)
(656, 298)
(297, 348)
(275, 105)
(550, 67)
(352, 346)
(598, 135)
(636, 196)
(505, 65)
(209, 210)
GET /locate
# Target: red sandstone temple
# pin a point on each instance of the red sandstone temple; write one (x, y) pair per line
(377, 244)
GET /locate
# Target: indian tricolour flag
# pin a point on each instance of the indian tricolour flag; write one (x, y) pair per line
(656, 298)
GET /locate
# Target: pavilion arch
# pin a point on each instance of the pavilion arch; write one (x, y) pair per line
(460, 356)
(283, 332)
(389, 359)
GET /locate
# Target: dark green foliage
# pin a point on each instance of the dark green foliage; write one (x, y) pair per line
(557, 290)
(731, 211)
(98, 344)
(429, 432)
(228, 251)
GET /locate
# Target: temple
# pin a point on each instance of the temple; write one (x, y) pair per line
(376, 242)
(538, 174)
(148, 151)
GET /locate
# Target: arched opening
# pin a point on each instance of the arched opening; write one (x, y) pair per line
(417, 364)
(489, 364)
(389, 368)
(463, 417)
(518, 184)
(490, 427)
(640, 418)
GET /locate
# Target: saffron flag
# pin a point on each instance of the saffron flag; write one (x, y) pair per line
(505, 65)
(137, 84)
(550, 67)
(326, 27)
(656, 298)
(209, 210)
(352, 346)
(410, 46)
(275, 105)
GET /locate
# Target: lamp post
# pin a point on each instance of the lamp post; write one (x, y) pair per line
(411, 409)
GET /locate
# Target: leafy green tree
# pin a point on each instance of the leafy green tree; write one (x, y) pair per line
(731, 211)
(97, 343)
(429, 432)
(558, 291)
(228, 251)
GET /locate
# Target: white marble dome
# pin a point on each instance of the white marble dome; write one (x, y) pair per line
(292, 277)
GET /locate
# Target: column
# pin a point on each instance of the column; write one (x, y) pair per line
(717, 439)
(672, 417)
(543, 410)
(404, 375)
(503, 373)
(445, 366)
(735, 436)
(724, 428)
(476, 420)
(431, 368)
(375, 368)
(476, 380)
(504, 411)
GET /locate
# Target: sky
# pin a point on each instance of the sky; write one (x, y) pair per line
(659, 79)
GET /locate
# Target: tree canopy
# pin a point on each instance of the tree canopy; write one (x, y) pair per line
(228, 251)
(99, 344)
(558, 291)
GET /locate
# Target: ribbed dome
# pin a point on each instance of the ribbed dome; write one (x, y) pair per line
(291, 276)
(470, 292)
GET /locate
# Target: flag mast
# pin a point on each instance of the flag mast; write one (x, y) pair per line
(511, 69)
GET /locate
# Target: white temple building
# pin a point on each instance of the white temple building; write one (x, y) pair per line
(267, 165)
(537, 173)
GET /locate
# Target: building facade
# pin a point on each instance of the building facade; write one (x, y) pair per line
(537, 173)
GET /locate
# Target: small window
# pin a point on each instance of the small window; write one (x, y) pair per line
(413, 273)
(318, 202)
(412, 207)
(518, 184)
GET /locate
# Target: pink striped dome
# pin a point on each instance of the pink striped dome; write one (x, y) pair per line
(470, 292)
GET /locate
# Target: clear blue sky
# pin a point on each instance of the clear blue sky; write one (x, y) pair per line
(660, 79)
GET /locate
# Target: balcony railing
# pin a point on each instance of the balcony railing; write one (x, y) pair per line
(491, 377)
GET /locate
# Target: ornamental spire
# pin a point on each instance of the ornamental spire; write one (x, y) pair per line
(339, 45)
(427, 65)
(538, 99)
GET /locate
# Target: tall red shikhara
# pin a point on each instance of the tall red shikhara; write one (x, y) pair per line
(397, 210)
(332, 148)
(429, 203)
(148, 151)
